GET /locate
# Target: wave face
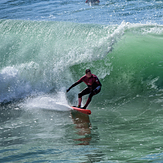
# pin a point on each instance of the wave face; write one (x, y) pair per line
(47, 57)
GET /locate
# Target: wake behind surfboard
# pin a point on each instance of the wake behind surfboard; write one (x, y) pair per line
(85, 111)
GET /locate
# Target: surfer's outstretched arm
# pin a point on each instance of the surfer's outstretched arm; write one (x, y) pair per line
(76, 83)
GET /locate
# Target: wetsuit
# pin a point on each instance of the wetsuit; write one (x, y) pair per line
(94, 87)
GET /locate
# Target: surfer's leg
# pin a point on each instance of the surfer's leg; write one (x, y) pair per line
(90, 98)
(87, 103)
(79, 102)
(82, 93)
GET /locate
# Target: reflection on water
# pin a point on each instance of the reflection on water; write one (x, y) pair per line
(83, 126)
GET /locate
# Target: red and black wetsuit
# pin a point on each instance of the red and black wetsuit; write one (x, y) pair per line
(93, 83)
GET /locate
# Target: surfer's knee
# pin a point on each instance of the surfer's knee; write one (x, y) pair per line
(94, 93)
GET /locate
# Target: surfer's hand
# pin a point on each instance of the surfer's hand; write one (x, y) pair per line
(96, 90)
(67, 90)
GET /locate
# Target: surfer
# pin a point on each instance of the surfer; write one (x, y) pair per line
(94, 87)
(93, 1)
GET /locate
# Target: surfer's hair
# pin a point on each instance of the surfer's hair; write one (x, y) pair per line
(87, 70)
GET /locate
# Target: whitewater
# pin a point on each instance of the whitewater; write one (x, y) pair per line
(45, 46)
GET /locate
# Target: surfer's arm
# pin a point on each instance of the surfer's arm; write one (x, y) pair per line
(98, 87)
(76, 83)
(98, 82)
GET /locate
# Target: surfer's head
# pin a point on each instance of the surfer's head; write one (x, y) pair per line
(88, 73)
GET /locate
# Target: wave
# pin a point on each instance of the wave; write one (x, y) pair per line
(47, 57)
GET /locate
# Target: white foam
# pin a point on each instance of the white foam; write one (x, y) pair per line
(11, 85)
(50, 102)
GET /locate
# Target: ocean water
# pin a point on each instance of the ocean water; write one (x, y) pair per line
(45, 46)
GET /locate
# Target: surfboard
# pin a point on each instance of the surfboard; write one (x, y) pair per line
(85, 111)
